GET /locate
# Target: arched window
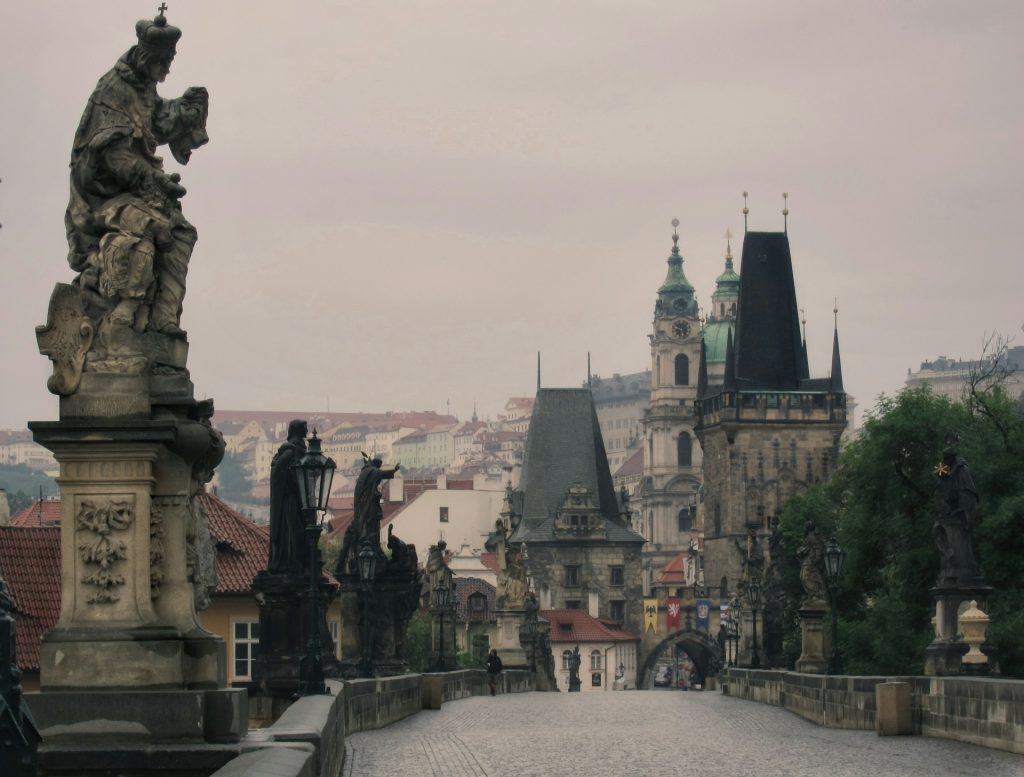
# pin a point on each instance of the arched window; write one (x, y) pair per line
(595, 660)
(682, 370)
(684, 450)
(733, 308)
(685, 520)
(722, 308)
(566, 660)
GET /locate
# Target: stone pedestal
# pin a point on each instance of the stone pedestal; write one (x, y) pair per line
(813, 643)
(944, 656)
(507, 643)
(284, 626)
(128, 650)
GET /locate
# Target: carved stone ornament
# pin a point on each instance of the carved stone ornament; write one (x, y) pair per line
(65, 339)
(101, 549)
(156, 550)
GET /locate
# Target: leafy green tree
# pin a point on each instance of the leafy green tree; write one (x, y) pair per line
(417, 642)
(881, 504)
(23, 485)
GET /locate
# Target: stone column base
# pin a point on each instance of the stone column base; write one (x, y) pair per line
(812, 639)
(68, 718)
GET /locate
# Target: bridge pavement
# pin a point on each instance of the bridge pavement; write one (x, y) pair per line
(649, 733)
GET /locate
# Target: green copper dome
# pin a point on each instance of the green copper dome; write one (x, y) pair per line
(675, 295)
(716, 337)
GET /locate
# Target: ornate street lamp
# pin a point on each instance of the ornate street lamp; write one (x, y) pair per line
(835, 557)
(754, 597)
(314, 472)
(442, 595)
(366, 561)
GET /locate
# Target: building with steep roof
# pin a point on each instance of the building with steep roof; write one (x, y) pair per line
(621, 402)
(581, 552)
(608, 650)
(767, 429)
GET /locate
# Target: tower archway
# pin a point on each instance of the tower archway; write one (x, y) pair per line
(699, 647)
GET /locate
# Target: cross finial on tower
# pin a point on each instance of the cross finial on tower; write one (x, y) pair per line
(746, 210)
(785, 212)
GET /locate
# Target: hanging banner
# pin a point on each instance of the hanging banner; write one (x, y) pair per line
(675, 609)
(651, 615)
(704, 615)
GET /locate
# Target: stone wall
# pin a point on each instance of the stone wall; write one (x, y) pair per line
(308, 740)
(982, 711)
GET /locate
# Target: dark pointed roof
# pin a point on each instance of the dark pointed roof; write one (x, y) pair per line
(564, 446)
(769, 352)
(702, 371)
(837, 365)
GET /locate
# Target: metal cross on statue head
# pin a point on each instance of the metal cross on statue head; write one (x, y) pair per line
(162, 8)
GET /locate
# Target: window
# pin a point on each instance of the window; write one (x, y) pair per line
(246, 637)
(443, 514)
(685, 520)
(684, 450)
(335, 628)
(595, 679)
(572, 604)
(618, 610)
(572, 576)
(595, 660)
(477, 604)
(615, 576)
(566, 660)
(682, 370)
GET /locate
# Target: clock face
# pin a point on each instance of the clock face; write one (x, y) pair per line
(681, 328)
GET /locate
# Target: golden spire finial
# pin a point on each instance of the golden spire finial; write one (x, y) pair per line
(835, 312)
(746, 210)
(728, 245)
(785, 212)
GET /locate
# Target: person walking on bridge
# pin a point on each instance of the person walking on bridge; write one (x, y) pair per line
(493, 670)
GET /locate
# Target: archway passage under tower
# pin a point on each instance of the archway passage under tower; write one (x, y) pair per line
(674, 651)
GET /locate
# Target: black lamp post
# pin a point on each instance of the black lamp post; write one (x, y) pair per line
(367, 564)
(441, 597)
(754, 597)
(835, 556)
(314, 472)
(732, 633)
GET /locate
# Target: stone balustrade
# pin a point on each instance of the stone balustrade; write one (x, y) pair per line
(980, 710)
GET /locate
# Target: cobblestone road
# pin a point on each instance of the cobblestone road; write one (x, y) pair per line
(648, 733)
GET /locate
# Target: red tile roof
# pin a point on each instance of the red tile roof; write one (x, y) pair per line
(30, 563)
(579, 626)
(674, 572)
(44, 512)
(242, 546)
(489, 560)
(466, 587)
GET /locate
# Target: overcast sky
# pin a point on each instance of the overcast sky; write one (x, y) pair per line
(402, 202)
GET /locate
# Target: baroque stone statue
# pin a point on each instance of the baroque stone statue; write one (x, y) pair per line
(812, 564)
(127, 237)
(952, 529)
(287, 541)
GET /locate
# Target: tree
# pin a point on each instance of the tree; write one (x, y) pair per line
(233, 483)
(881, 504)
(417, 642)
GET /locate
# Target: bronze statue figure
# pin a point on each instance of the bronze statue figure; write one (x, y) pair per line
(287, 544)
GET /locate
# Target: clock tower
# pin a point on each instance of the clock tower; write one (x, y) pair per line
(672, 455)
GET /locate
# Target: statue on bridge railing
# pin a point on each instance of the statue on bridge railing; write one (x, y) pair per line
(812, 564)
(952, 530)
